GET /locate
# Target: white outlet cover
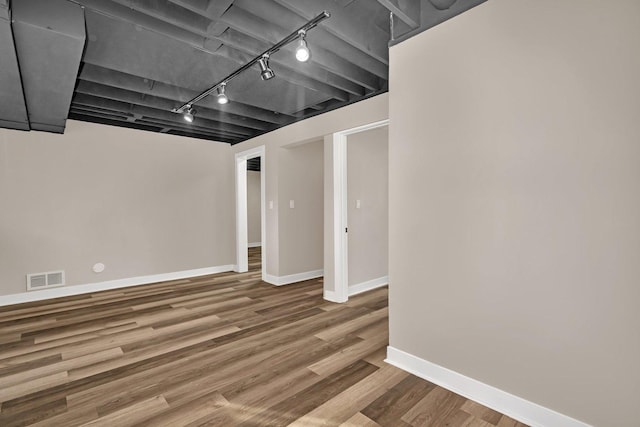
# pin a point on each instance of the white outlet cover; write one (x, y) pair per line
(98, 267)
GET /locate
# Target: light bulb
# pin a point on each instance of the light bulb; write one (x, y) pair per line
(302, 51)
(188, 115)
(222, 96)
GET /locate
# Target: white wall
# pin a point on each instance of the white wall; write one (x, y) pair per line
(368, 182)
(141, 203)
(515, 202)
(253, 207)
(300, 175)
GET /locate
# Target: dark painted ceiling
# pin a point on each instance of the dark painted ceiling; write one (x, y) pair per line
(139, 59)
(253, 164)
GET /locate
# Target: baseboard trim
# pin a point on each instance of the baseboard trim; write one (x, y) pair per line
(254, 244)
(108, 285)
(369, 285)
(513, 406)
(332, 296)
(293, 278)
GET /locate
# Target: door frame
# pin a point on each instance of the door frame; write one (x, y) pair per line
(242, 239)
(340, 205)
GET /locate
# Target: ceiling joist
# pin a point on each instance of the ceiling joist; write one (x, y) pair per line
(408, 11)
(142, 59)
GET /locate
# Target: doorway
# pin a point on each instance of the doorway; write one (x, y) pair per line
(368, 210)
(337, 285)
(242, 232)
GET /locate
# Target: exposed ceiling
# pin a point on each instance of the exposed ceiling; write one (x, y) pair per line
(139, 59)
(253, 164)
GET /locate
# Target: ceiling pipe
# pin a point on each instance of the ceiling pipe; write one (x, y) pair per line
(295, 35)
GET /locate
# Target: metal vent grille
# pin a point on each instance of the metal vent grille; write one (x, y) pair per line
(36, 281)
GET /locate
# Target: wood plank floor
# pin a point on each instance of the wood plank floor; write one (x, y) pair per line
(220, 350)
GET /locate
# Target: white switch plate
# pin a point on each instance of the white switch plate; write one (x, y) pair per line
(270, 204)
(357, 204)
(292, 204)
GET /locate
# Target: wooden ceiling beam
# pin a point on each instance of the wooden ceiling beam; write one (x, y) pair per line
(317, 78)
(234, 112)
(164, 29)
(160, 24)
(171, 13)
(149, 107)
(101, 113)
(247, 37)
(209, 8)
(408, 11)
(270, 33)
(346, 24)
(285, 18)
(134, 98)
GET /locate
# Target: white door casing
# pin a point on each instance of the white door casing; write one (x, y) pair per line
(242, 243)
(340, 234)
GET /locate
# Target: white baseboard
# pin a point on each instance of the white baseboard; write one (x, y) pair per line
(111, 284)
(515, 407)
(254, 244)
(332, 296)
(368, 285)
(293, 278)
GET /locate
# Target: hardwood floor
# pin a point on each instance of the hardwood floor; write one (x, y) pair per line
(220, 350)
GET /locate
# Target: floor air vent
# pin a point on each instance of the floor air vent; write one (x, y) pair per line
(38, 281)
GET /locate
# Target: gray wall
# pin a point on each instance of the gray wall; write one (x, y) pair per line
(253, 207)
(368, 181)
(515, 202)
(141, 203)
(300, 178)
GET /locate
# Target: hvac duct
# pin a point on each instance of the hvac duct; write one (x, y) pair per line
(13, 111)
(49, 37)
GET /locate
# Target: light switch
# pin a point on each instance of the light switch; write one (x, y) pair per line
(270, 204)
(292, 204)
(357, 204)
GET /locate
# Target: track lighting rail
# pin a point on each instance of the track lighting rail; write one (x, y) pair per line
(295, 35)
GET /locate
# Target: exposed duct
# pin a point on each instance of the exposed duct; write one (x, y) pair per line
(49, 41)
(442, 4)
(13, 111)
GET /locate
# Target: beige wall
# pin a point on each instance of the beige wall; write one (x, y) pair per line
(253, 207)
(141, 203)
(368, 181)
(361, 113)
(300, 175)
(515, 202)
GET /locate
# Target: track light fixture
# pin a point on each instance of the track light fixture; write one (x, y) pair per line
(189, 114)
(266, 73)
(222, 96)
(302, 51)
